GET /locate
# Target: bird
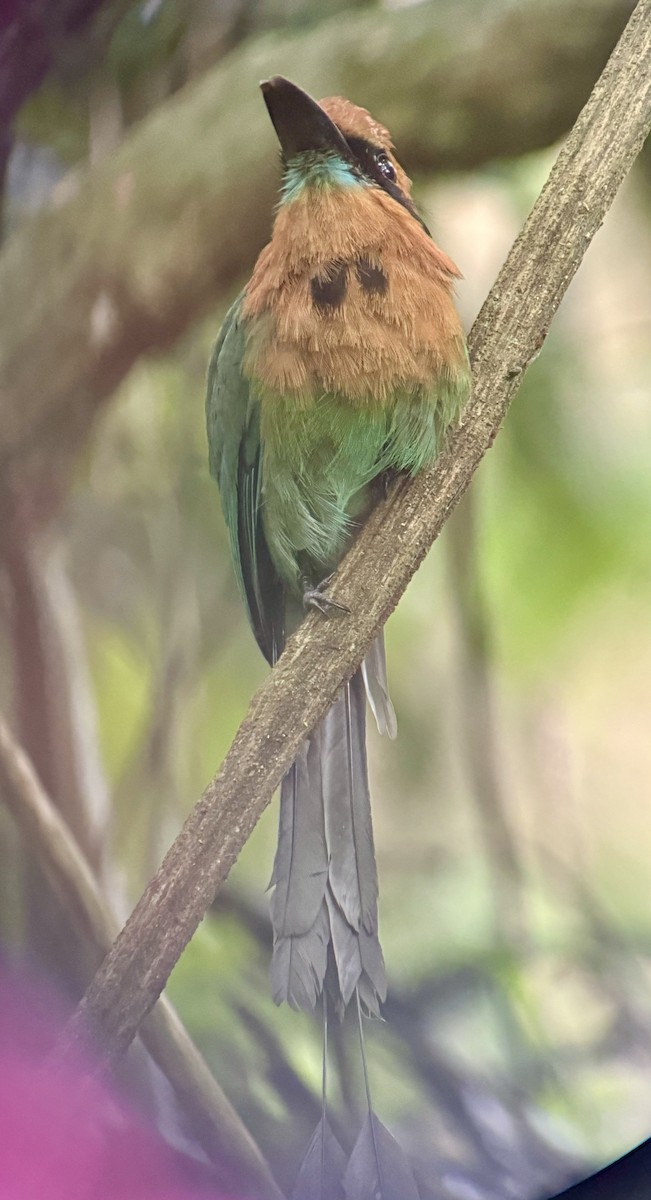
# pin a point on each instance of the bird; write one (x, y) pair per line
(338, 368)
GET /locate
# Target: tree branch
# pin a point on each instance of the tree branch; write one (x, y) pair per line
(218, 1128)
(507, 335)
(161, 231)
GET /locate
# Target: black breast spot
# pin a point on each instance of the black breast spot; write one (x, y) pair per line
(330, 291)
(371, 278)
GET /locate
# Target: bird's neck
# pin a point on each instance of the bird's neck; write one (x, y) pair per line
(312, 176)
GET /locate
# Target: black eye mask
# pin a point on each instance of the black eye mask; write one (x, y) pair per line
(372, 162)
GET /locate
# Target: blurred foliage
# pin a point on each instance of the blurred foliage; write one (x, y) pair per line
(505, 1060)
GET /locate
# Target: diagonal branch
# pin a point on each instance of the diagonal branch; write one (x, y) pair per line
(507, 335)
(224, 1137)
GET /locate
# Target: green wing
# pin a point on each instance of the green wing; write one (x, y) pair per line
(233, 423)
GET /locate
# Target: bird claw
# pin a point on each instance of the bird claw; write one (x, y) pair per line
(387, 479)
(317, 598)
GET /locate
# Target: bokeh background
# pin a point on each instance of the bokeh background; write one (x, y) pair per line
(513, 814)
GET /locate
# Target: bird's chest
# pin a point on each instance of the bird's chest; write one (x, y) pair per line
(319, 463)
(346, 363)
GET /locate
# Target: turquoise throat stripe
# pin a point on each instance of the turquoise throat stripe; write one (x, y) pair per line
(317, 171)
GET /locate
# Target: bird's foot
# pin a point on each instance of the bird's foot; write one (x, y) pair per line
(386, 480)
(315, 597)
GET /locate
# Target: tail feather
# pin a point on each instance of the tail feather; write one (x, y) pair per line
(352, 873)
(325, 893)
(298, 965)
(358, 961)
(373, 980)
(378, 1166)
(322, 1168)
(300, 870)
(324, 914)
(374, 672)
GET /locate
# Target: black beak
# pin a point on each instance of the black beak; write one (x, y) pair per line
(300, 123)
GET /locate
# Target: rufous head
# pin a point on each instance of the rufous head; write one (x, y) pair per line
(351, 296)
(332, 143)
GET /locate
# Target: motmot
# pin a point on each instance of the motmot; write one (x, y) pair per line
(339, 366)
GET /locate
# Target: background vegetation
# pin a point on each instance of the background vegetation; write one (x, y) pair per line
(512, 815)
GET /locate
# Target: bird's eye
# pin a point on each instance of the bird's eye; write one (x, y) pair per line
(386, 166)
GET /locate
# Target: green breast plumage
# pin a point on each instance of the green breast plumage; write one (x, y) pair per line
(319, 462)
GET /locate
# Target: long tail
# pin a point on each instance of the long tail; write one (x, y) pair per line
(325, 893)
(325, 921)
